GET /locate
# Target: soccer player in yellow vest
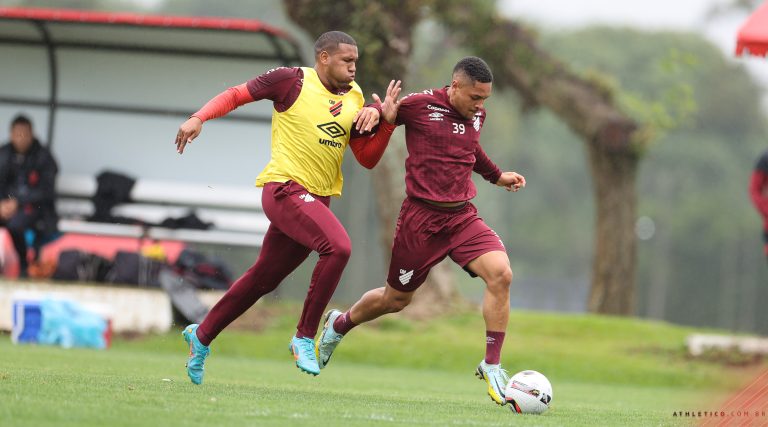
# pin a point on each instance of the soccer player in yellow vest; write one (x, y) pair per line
(317, 113)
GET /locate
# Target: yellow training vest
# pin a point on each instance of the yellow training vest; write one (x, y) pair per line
(309, 138)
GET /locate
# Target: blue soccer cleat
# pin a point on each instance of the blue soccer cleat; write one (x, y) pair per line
(329, 339)
(197, 354)
(497, 379)
(303, 350)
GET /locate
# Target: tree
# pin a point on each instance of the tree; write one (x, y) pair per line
(704, 264)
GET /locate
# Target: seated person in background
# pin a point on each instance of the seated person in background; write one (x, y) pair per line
(27, 188)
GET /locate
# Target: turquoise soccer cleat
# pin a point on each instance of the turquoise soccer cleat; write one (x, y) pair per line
(303, 350)
(329, 339)
(496, 378)
(197, 354)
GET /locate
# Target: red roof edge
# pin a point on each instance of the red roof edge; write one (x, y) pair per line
(121, 18)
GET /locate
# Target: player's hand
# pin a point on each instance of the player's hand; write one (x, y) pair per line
(512, 181)
(366, 119)
(391, 101)
(188, 131)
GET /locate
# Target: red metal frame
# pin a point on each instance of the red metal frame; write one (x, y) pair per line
(132, 19)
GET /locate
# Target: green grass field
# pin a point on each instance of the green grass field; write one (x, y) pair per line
(604, 371)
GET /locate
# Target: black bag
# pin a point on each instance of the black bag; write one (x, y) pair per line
(131, 268)
(112, 189)
(75, 265)
(190, 221)
(206, 272)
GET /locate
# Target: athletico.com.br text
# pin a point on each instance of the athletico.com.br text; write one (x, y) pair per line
(720, 414)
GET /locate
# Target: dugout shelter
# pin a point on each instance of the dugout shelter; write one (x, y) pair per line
(109, 90)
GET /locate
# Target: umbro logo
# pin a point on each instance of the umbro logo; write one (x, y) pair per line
(490, 340)
(436, 117)
(335, 109)
(332, 129)
(405, 276)
(307, 197)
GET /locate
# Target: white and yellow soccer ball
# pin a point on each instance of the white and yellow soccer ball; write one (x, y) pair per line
(528, 392)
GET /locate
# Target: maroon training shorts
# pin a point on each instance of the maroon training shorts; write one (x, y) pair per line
(425, 234)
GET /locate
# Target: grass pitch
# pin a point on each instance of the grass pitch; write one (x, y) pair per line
(604, 371)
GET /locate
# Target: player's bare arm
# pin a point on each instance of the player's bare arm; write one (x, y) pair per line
(512, 181)
(188, 131)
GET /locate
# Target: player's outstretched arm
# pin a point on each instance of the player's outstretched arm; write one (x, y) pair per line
(512, 181)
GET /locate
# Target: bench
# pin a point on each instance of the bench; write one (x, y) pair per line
(235, 212)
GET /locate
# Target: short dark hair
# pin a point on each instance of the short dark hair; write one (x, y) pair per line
(474, 68)
(21, 120)
(331, 40)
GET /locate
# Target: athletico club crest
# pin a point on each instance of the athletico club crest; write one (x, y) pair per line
(335, 109)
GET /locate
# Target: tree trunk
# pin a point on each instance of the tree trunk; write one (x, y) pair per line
(389, 189)
(613, 267)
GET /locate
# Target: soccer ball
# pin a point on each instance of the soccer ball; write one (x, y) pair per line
(528, 392)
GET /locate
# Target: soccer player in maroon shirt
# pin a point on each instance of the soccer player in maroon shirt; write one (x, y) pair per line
(317, 113)
(442, 133)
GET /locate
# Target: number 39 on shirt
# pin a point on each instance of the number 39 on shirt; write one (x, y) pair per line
(458, 128)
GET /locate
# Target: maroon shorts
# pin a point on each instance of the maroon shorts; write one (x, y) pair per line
(426, 234)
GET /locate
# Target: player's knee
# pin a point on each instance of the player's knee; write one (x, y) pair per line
(500, 278)
(340, 247)
(343, 248)
(507, 275)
